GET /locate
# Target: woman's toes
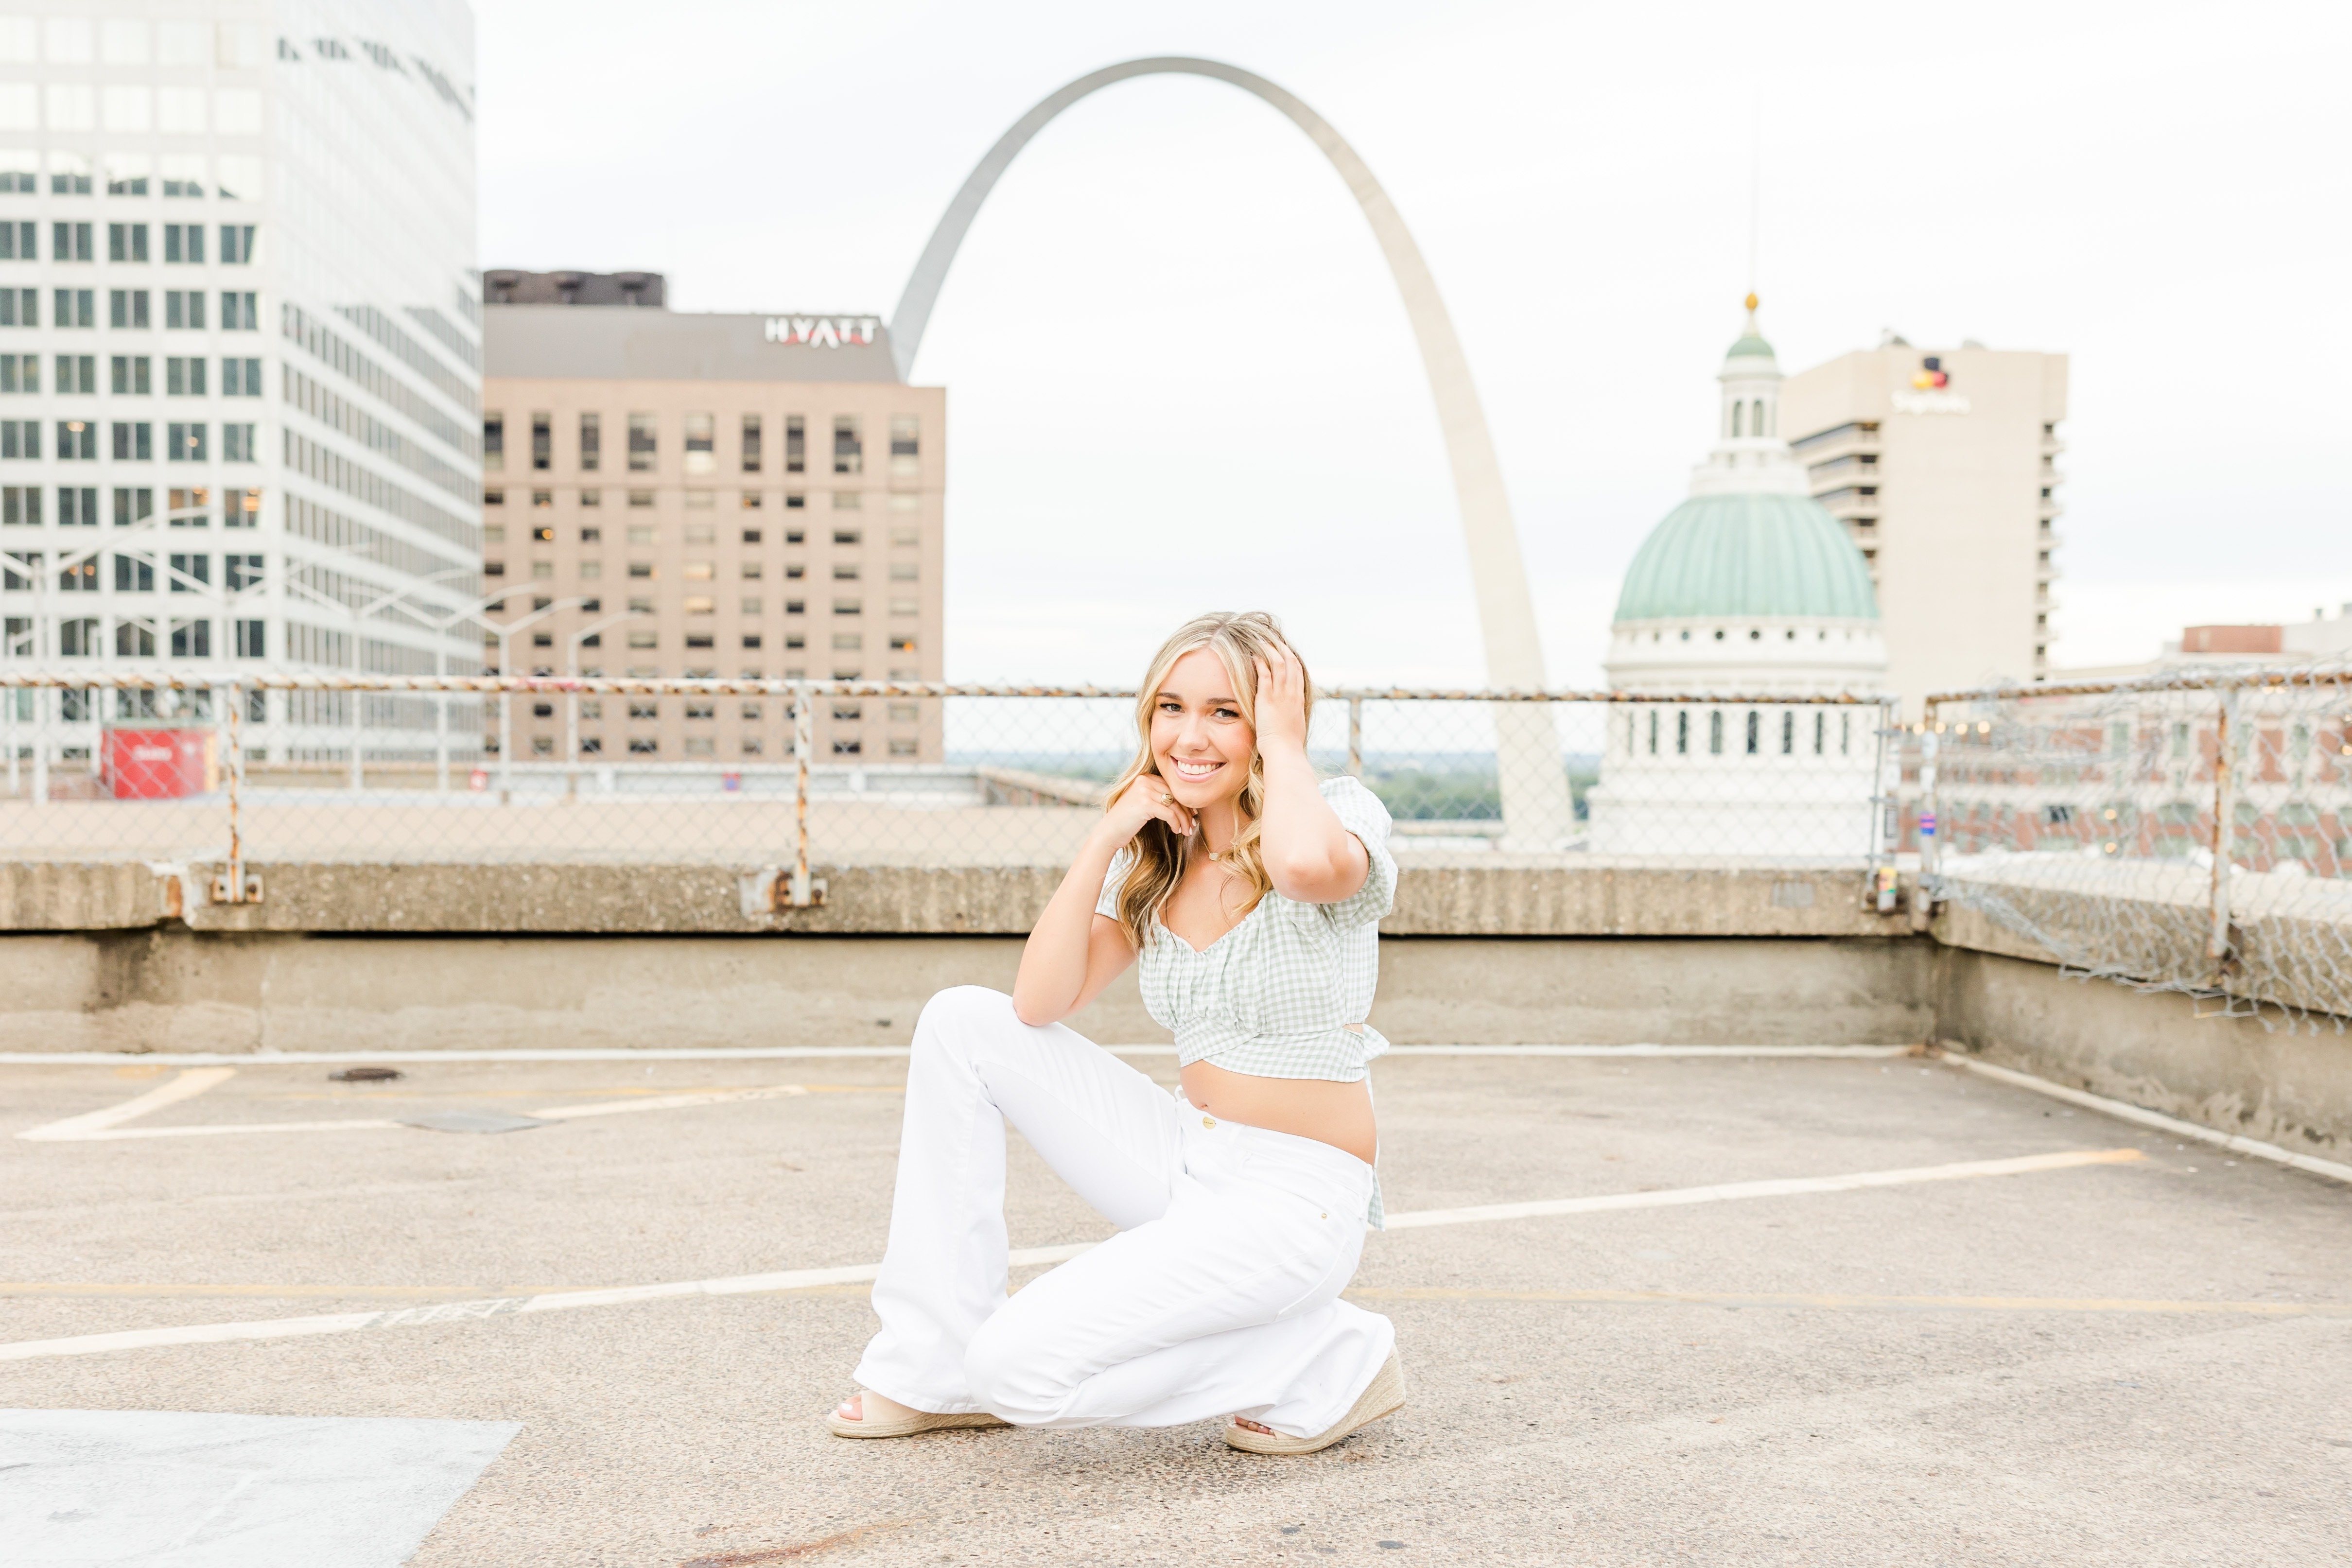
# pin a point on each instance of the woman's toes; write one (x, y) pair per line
(1252, 1425)
(852, 1408)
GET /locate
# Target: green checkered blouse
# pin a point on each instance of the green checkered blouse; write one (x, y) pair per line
(1273, 996)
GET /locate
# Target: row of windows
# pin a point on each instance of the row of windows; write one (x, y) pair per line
(705, 533)
(180, 573)
(175, 175)
(704, 571)
(85, 637)
(1657, 733)
(706, 745)
(133, 442)
(698, 441)
(180, 244)
(708, 500)
(749, 604)
(130, 108)
(842, 642)
(184, 506)
(183, 308)
(132, 376)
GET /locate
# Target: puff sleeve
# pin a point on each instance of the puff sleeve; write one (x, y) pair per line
(1360, 811)
(1114, 880)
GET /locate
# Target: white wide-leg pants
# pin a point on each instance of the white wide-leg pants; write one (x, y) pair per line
(1219, 1296)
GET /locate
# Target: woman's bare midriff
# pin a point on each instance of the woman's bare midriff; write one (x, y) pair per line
(1340, 1114)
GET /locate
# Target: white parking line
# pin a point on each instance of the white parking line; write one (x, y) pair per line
(807, 1053)
(101, 1126)
(801, 1278)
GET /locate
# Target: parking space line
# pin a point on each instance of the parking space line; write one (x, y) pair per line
(801, 1278)
(806, 1053)
(106, 1125)
(1844, 1302)
(1783, 1187)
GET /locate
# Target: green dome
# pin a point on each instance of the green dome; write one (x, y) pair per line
(1750, 346)
(1747, 555)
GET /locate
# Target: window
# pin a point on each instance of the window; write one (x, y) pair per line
(23, 568)
(1682, 732)
(848, 447)
(20, 438)
(77, 373)
(902, 642)
(1820, 731)
(126, 242)
(186, 444)
(182, 173)
(641, 498)
(700, 437)
(77, 639)
(543, 442)
(184, 309)
(133, 574)
(80, 577)
(240, 378)
(848, 607)
(189, 508)
(252, 641)
(192, 639)
(132, 376)
(78, 507)
(903, 571)
(590, 498)
(494, 441)
(240, 572)
(17, 242)
(750, 451)
(127, 307)
(184, 377)
(20, 307)
(184, 242)
(906, 444)
(22, 373)
(20, 507)
(848, 501)
(78, 441)
(235, 245)
(132, 507)
(844, 571)
(641, 446)
(592, 445)
(191, 573)
(70, 242)
(795, 444)
(241, 509)
(134, 639)
(74, 308)
(238, 446)
(1755, 732)
(238, 312)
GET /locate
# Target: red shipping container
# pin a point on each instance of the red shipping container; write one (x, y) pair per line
(162, 760)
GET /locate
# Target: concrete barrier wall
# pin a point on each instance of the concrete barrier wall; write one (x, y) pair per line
(2289, 1084)
(180, 990)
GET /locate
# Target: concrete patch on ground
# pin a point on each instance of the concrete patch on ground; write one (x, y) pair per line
(165, 1489)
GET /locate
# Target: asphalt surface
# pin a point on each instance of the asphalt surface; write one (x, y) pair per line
(2153, 1365)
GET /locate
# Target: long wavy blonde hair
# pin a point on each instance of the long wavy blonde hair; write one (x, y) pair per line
(1238, 639)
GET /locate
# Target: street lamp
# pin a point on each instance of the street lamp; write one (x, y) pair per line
(571, 668)
(506, 629)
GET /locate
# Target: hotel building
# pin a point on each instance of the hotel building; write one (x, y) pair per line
(239, 358)
(707, 495)
(1942, 465)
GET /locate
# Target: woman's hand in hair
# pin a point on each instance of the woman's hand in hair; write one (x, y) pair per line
(1281, 703)
(1146, 800)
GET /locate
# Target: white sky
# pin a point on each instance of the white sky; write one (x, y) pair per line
(1179, 377)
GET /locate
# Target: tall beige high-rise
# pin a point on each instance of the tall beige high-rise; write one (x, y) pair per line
(1942, 465)
(762, 491)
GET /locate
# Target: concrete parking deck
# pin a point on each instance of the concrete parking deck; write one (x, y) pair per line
(2114, 1348)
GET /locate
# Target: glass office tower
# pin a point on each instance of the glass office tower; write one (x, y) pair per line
(240, 362)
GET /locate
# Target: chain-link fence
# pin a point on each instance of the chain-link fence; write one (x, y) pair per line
(138, 765)
(2188, 832)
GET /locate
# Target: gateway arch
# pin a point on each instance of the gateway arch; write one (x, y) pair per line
(1536, 806)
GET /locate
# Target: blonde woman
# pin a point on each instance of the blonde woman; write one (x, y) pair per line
(1251, 894)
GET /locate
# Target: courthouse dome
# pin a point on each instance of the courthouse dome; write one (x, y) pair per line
(1747, 555)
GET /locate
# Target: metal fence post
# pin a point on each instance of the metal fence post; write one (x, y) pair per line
(2225, 812)
(1888, 817)
(1923, 902)
(1355, 737)
(233, 887)
(802, 893)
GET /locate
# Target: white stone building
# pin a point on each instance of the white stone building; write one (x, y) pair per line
(240, 363)
(1748, 587)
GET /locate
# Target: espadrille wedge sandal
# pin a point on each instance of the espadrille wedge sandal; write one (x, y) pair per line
(905, 1425)
(1383, 1396)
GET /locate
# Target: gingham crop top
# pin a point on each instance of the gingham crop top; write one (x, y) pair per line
(1273, 996)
